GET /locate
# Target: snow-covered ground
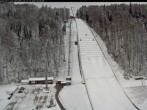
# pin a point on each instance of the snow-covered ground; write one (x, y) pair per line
(74, 97)
(64, 69)
(103, 91)
(135, 89)
(3, 96)
(103, 88)
(33, 97)
(75, 69)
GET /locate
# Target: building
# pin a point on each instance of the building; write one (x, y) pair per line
(68, 83)
(72, 17)
(12, 90)
(24, 82)
(40, 80)
(59, 81)
(68, 78)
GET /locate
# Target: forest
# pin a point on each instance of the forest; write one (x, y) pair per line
(123, 28)
(31, 40)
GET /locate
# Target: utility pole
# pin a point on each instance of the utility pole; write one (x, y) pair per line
(46, 82)
(69, 69)
(64, 35)
(64, 12)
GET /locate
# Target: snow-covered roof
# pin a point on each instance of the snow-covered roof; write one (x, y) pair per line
(60, 79)
(26, 80)
(63, 82)
(68, 77)
(40, 78)
(12, 88)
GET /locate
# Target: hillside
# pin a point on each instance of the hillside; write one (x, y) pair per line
(24, 30)
(123, 28)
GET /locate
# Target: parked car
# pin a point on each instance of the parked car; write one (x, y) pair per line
(21, 90)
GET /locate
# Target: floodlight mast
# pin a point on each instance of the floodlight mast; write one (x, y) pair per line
(46, 82)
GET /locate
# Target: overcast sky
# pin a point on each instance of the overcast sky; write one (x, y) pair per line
(76, 5)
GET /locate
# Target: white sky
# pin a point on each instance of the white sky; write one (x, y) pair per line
(76, 5)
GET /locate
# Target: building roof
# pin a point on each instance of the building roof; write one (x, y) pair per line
(60, 79)
(40, 78)
(68, 77)
(26, 80)
(12, 88)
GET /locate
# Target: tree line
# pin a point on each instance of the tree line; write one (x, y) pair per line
(123, 28)
(24, 30)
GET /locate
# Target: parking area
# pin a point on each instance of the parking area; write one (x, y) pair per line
(32, 97)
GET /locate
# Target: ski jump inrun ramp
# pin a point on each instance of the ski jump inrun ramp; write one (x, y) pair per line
(103, 88)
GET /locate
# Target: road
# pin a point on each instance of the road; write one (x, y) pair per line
(102, 90)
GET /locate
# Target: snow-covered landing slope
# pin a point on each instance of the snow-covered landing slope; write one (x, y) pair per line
(103, 88)
(74, 97)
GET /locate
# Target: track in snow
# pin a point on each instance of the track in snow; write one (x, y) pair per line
(102, 87)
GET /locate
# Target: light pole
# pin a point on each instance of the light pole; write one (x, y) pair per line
(64, 26)
(46, 82)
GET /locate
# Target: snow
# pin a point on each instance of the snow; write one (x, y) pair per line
(3, 96)
(103, 88)
(40, 78)
(144, 105)
(59, 79)
(135, 89)
(24, 81)
(73, 98)
(26, 100)
(102, 91)
(75, 70)
(11, 89)
(64, 70)
(138, 94)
